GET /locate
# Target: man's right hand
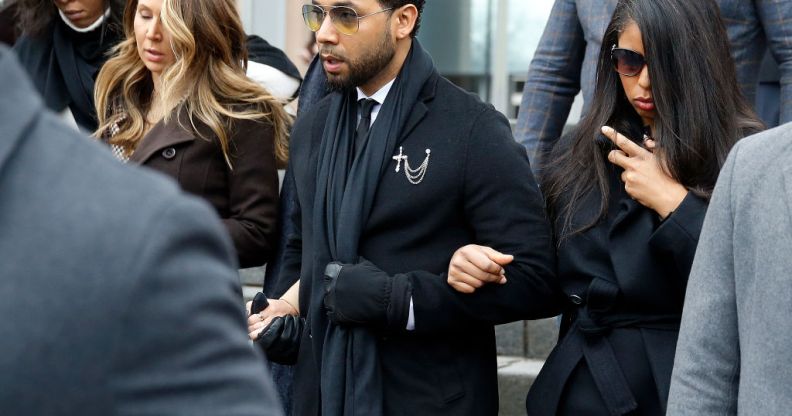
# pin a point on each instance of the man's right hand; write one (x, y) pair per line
(473, 266)
(258, 321)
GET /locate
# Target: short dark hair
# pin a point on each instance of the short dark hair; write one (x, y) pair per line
(395, 4)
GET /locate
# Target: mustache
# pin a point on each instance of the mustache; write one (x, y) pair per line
(331, 52)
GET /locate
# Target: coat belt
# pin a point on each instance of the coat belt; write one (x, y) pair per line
(587, 336)
(602, 361)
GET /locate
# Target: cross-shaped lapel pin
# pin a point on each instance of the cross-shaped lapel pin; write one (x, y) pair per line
(398, 158)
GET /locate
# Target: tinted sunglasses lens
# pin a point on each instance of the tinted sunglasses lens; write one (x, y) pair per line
(345, 19)
(627, 62)
(313, 16)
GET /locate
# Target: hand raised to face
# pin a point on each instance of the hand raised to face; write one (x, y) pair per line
(645, 177)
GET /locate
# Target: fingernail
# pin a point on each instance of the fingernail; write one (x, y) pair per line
(606, 129)
(503, 281)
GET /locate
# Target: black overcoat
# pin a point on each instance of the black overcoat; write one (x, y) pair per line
(478, 188)
(625, 283)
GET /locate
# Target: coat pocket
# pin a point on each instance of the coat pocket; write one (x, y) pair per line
(446, 374)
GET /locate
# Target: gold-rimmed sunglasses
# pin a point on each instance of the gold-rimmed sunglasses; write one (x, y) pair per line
(345, 19)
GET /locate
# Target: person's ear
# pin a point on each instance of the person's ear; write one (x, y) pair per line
(405, 18)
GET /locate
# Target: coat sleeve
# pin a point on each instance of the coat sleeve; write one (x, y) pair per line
(290, 257)
(181, 345)
(744, 29)
(679, 233)
(707, 363)
(253, 193)
(775, 17)
(505, 211)
(553, 80)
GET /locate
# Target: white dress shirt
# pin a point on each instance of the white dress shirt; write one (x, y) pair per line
(378, 96)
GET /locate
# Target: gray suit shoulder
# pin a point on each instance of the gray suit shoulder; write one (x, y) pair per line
(156, 261)
(761, 154)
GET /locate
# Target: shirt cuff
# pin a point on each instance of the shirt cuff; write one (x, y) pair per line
(411, 318)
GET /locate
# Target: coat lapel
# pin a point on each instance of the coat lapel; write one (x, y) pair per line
(419, 111)
(161, 136)
(629, 245)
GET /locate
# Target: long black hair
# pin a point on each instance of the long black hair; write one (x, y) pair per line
(700, 110)
(35, 16)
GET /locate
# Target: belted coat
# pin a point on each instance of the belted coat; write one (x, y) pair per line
(625, 282)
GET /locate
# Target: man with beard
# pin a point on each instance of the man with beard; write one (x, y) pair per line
(394, 171)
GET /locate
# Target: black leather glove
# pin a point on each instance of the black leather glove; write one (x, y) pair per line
(362, 294)
(280, 340)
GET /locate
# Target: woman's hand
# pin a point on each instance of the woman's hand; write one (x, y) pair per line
(258, 321)
(473, 266)
(645, 179)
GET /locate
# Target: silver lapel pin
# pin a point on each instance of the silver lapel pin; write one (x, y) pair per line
(415, 176)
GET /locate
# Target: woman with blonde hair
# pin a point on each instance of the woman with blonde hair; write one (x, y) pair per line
(175, 98)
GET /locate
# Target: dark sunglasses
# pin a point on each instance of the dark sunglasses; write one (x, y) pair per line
(345, 19)
(627, 62)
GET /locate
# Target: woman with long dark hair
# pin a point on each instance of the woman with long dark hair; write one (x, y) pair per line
(627, 192)
(63, 45)
(175, 98)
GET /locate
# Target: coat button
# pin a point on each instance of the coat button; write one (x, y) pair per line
(169, 153)
(575, 299)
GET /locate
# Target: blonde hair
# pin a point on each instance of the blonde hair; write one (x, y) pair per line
(207, 81)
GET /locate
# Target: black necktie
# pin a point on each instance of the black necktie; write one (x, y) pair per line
(366, 105)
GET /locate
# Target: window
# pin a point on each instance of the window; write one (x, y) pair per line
(485, 46)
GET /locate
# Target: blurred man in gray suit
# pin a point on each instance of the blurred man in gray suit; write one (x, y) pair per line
(118, 294)
(733, 354)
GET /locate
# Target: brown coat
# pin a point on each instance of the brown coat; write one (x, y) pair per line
(245, 195)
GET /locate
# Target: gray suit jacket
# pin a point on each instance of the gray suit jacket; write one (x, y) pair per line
(118, 294)
(733, 354)
(565, 61)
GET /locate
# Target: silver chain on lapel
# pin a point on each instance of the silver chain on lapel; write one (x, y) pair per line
(415, 176)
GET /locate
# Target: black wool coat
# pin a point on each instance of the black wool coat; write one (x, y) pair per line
(625, 283)
(478, 188)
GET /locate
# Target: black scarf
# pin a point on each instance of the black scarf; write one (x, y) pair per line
(63, 65)
(351, 379)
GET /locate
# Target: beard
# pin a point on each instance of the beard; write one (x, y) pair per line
(366, 67)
